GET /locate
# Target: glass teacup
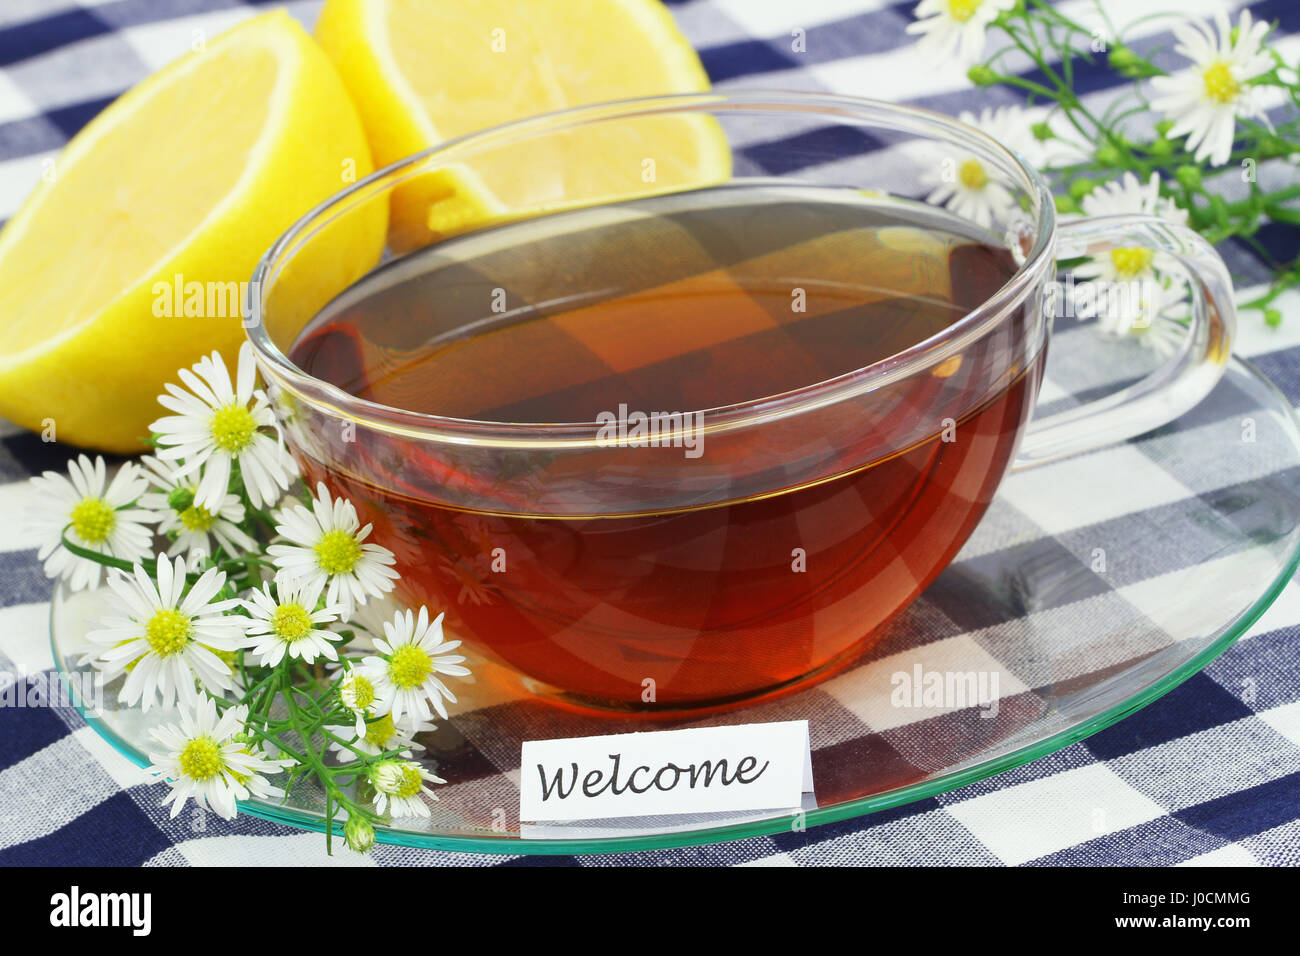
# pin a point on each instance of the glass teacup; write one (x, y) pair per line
(654, 556)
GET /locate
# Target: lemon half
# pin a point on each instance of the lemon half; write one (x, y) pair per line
(426, 71)
(128, 263)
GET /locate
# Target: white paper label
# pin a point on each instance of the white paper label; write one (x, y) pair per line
(702, 769)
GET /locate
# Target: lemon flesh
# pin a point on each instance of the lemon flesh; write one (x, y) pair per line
(178, 186)
(426, 71)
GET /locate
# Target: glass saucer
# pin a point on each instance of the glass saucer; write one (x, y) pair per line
(1093, 586)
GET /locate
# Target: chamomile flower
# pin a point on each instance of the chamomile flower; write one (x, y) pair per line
(381, 735)
(218, 425)
(357, 692)
(202, 759)
(967, 184)
(285, 622)
(954, 27)
(405, 672)
(329, 546)
(193, 527)
(1205, 99)
(169, 636)
(365, 624)
(398, 785)
(1128, 196)
(96, 514)
(1130, 285)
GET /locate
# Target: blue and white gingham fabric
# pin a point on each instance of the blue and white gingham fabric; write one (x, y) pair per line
(1200, 776)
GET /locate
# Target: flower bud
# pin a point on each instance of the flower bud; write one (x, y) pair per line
(1042, 132)
(178, 499)
(1272, 318)
(981, 75)
(1064, 204)
(1124, 60)
(358, 833)
(1189, 176)
(1108, 155)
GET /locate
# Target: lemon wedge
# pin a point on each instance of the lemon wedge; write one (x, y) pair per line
(132, 260)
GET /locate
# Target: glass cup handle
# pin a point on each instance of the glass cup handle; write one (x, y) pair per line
(1177, 385)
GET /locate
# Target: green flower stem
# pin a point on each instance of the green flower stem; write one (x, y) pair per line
(313, 760)
(1290, 217)
(266, 689)
(1052, 13)
(277, 741)
(1280, 285)
(1052, 40)
(366, 758)
(305, 718)
(149, 564)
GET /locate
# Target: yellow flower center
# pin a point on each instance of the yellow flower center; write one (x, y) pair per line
(196, 518)
(233, 428)
(411, 782)
(362, 692)
(963, 10)
(201, 759)
(290, 622)
(972, 175)
(337, 552)
(1131, 262)
(409, 666)
(93, 520)
(168, 631)
(379, 732)
(1220, 85)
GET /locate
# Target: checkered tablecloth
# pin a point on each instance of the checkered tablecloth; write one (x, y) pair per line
(1200, 776)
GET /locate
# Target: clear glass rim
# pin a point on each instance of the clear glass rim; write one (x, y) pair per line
(848, 110)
